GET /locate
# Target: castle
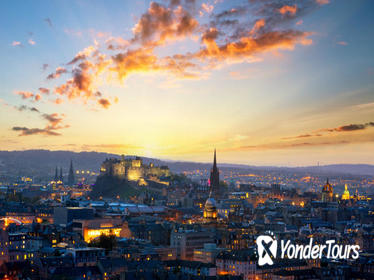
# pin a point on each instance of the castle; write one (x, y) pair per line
(132, 169)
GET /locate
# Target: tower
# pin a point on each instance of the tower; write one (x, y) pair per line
(71, 179)
(214, 177)
(327, 192)
(56, 175)
(61, 178)
(345, 195)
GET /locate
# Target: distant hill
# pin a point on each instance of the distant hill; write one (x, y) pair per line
(42, 163)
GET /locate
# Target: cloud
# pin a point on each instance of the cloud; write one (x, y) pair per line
(238, 34)
(27, 108)
(58, 101)
(322, 2)
(16, 43)
(82, 55)
(324, 131)
(49, 22)
(43, 90)
(350, 127)
(25, 94)
(29, 95)
(288, 9)
(31, 42)
(342, 43)
(104, 103)
(110, 147)
(45, 66)
(302, 136)
(161, 23)
(281, 145)
(54, 123)
(247, 47)
(207, 8)
(37, 97)
(24, 131)
(58, 72)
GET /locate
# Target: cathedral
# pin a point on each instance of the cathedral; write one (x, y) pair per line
(214, 178)
(327, 192)
(210, 208)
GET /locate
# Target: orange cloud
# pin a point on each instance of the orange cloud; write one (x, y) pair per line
(161, 23)
(226, 38)
(58, 72)
(104, 103)
(16, 43)
(25, 94)
(248, 46)
(288, 9)
(207, 7)
(37, 97)
(258, 25)
(43, 90)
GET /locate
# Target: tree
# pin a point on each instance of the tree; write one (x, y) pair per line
(108, 242)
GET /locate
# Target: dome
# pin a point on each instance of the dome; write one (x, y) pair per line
(210, 210)
(346, 194)
(210, 203)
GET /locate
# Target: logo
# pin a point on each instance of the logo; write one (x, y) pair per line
(267, 249)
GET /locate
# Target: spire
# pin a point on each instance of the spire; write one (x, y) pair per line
(61, 178)
(71, 179)
(327, 181)
(56, 175)
(214, 177)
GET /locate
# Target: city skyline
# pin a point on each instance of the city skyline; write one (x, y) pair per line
(266, 83)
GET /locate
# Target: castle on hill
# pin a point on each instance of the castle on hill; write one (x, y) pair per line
(132, 169)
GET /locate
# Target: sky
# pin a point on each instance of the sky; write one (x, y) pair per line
(285, 83)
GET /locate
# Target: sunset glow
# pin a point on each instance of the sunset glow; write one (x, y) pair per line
(264, 82)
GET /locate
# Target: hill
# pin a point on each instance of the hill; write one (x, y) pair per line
(42, 164)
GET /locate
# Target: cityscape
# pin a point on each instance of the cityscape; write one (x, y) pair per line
(187, 139)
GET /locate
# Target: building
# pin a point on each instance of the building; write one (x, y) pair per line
(241, 262)
(86, 256)
(327, 192)
(210, 209)
(132, 169)
(71, 178)
(186, 241)
(207, 254)
(93, 228)
(214, 178)
(65, 215)
(345, 195)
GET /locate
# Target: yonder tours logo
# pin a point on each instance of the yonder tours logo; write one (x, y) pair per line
(267, 247)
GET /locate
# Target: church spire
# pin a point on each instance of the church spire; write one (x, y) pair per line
(214, 177)
(56, 175)
(215, 160)
(61, 177)
(71, 179)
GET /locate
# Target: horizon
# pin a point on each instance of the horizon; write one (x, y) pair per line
(269, 84)
(198, 162)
